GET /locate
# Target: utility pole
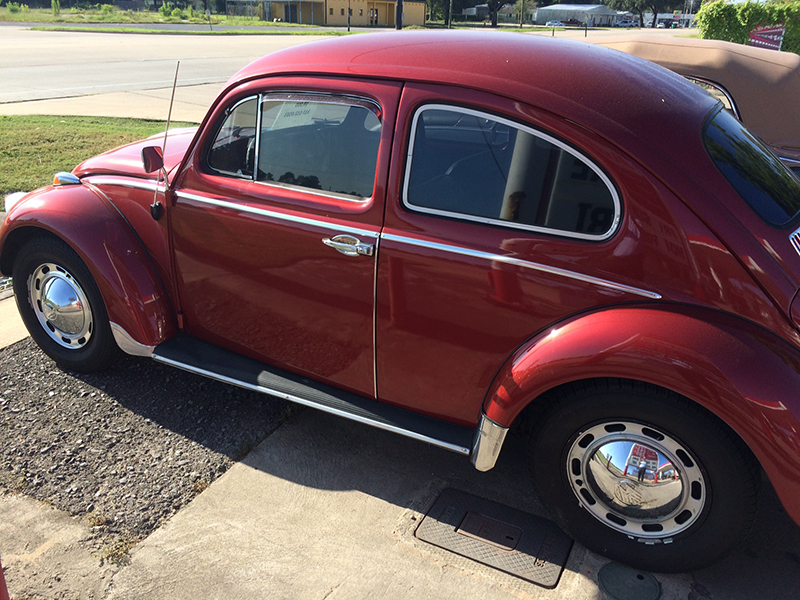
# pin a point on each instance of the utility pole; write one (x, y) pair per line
(398, 17)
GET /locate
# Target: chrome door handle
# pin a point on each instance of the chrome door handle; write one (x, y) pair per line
(349, 245)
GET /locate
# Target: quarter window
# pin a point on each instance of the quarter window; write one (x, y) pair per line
(233, 150)
(485, 168)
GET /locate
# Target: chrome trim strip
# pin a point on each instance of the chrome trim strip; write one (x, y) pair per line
(139, 184)
(128, 345)
(276, 215)
(489, 438)
(510, 224)
(298, 400)
(620, 287)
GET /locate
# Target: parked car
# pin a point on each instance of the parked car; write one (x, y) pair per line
(447, 249)
(555, 24)
(627, 23)
(759, 86)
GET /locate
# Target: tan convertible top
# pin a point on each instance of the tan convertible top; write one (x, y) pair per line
(764, 84)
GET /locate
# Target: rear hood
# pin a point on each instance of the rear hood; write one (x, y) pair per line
(127, 160)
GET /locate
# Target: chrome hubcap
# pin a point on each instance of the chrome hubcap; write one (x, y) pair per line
(636, 480)
(60, 306)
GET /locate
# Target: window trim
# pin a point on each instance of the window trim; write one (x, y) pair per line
(286, 94)
(499, 222)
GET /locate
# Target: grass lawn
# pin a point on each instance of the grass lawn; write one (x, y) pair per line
(33, 148)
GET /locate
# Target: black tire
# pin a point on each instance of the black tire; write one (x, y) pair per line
(61, 306)
(696, 514)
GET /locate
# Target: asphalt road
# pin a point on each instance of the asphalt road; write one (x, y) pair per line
(39, 65)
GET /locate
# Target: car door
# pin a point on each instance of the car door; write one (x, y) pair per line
(499, 223)
(276, 220)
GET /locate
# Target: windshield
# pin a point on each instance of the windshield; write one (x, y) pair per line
(759, 176)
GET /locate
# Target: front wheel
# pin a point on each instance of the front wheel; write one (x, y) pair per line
(643, 476)
(61, 306)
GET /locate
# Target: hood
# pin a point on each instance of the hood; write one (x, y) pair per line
(127, 160)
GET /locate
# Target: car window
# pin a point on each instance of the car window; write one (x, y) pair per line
(319, 143)
(759, 177)
(233, 150)
(480, 167)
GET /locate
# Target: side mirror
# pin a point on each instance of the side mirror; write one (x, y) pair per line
(152, 159)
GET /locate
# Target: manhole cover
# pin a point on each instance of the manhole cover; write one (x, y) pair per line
(518, 543)
(625, 583)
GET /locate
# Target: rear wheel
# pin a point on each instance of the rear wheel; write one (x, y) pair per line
(61, 306)
(643, 476)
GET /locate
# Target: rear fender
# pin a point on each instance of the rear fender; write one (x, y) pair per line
(85, 219)
(739, 371)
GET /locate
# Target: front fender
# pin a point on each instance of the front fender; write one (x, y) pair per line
(742, 373)
(86, 220)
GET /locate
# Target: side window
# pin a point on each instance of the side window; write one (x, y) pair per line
(319, 143)
(485, 168)
(233, 150)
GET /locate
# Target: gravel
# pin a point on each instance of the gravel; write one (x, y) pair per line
(125, 449)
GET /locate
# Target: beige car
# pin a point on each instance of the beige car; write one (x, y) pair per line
(761, 87)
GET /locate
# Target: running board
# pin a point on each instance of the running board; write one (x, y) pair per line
(196, 356)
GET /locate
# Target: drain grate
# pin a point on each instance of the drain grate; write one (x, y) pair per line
(515, 542)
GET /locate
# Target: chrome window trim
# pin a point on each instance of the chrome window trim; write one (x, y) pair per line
(721, 88)
(489, 256)
(305, 402)
(276, 215)
(489, 221)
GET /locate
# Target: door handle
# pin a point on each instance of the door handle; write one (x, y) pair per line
(349, 245)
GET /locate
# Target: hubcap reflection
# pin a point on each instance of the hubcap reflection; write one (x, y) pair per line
(636, 479)
(60, 306)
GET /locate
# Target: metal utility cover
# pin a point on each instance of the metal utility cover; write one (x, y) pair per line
(518, 543)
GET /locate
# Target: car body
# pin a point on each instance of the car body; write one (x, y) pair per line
(445, 249)
(555, 24)
(759, 86)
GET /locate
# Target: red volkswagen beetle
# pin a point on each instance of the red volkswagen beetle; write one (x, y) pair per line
(447, 235)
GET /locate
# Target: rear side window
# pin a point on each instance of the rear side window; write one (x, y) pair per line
(758, 176)
(479, 167)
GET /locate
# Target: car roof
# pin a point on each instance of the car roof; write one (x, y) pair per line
(631, 102)
(765, 84)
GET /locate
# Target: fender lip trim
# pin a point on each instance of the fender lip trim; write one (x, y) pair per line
(489, 438)
(128, 345)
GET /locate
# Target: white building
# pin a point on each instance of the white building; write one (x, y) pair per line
(591, 14)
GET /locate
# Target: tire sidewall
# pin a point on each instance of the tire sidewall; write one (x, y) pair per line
(728, 488)
(101, 347)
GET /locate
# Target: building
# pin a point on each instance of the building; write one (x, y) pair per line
(363, 13)
(591, 14)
